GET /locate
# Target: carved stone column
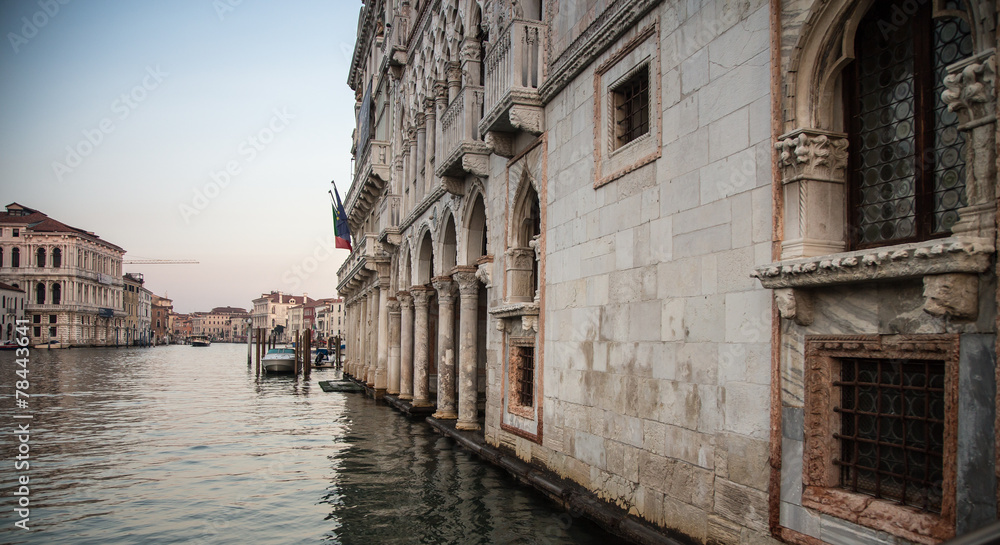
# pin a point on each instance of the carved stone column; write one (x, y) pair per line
(411, 165)
(468, 54)
(446, 348)
(430, 121)
(381, 381)
(971, 94)
(814, 174)
(371, 333)
(421, 388)
(420, 157)
(520, 286)
(393, 385)
(468, 387)
(454, 72)
(406, 345)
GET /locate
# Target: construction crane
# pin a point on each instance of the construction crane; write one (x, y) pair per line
(160, 262)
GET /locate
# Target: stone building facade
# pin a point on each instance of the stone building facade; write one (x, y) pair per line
(159, 319)
(72, 279)
(270, 310)
(12, 304)
(137, 305)
(672, 251)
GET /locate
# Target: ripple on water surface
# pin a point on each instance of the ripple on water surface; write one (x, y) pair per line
(183, 445)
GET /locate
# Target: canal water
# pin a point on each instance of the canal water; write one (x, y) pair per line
(185, 445)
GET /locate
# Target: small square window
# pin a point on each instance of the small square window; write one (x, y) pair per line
(631, 107)
(37, 331)
(36, 318)
(53, 318)
(17, 232)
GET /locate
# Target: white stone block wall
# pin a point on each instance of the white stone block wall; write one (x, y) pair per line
(657, 348)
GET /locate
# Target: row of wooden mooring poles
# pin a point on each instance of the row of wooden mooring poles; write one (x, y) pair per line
(259, 343)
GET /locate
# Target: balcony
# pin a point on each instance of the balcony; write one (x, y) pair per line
(462, 148)
(389, 212)
(371, 173)
(351, 274)
(514, 69)
(396, 41)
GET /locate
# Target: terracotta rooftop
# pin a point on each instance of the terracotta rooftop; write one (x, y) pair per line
(276, 297)
(40, 223)
(9, 287)
(228, 310)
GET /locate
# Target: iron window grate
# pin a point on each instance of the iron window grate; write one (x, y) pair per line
(525, 356)
(632, 107)
(892, 430)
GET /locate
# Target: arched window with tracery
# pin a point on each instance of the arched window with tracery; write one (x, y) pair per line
(907, 154)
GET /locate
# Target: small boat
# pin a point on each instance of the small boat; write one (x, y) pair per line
(322, 358)
(9, 345)
(50, 344)
(200, 340)
(279, 360)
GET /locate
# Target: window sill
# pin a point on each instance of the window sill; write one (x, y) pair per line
(886, 516)
(939, 256)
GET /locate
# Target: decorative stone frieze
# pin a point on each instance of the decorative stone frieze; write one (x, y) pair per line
(941, 256)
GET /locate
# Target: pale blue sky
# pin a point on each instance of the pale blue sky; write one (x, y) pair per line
(180, 87)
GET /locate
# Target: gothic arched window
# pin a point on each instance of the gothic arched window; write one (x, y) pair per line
(907, 166)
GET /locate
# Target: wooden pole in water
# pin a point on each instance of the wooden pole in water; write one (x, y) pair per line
(308, 351)
(259, 334)
(298, 344)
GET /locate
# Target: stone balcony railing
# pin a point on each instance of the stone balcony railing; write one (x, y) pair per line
(370, 176)
(514, 69)
(462, 148)
(366, 248)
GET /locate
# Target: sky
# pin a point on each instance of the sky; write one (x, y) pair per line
(185, 129)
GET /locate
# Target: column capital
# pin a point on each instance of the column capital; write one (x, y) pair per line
(812, 154)
(971, 90)
(405, 299)
(421, 296)
(468, 282)
(393, 305)
(446, 289)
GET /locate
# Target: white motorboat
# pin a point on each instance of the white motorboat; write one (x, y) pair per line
(279, 360)
(200, 340)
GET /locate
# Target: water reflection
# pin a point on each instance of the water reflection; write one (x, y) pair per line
(185, 445)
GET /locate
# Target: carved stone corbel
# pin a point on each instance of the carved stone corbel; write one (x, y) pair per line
(955, 295)
(526, 118)
(454, 185)
(795, 304)
(500, 143)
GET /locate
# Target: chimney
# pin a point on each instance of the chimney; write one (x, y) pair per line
(305, 297)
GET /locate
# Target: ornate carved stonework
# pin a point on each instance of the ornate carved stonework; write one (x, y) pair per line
(812, 154)
(971, 89)
(405, 299)
(483, 271)
(500, 143)
(468, 283)
(526, 118)
(954, 295)
(940, 256)
(421, 296)
(454, 185)
(794, 304)
(392, 304)
(446, 289)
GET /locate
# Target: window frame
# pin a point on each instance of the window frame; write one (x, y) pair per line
(617, 96)
(821, 490)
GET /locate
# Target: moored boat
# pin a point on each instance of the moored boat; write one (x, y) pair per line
(279, 360)
(200, 340)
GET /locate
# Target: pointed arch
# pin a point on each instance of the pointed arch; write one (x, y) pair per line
(424, 266)
(448, 249)
(475, 231)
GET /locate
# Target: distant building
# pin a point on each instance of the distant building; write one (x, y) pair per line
(160, 319)
(137, 307)
(181, 326)
(329, 318)
(72, 278)
(270, 310)
(12, 303)
(228, 324)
